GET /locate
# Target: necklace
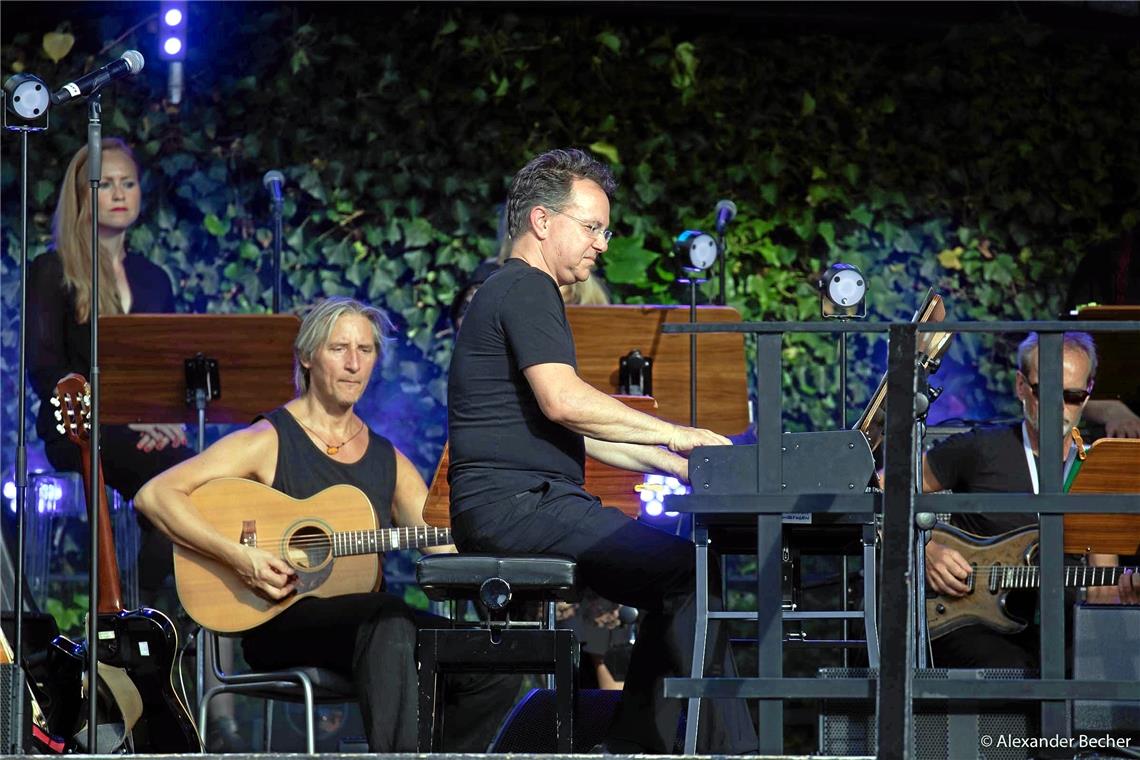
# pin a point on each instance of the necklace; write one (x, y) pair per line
(331, 449)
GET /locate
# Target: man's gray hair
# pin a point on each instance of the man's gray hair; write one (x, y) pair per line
(1082, 341)
(318, 324)
(547, 181)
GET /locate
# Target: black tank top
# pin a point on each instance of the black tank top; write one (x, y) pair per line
(303, 470)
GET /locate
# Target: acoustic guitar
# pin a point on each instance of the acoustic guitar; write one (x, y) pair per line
(330, 540)
(142, 642)
(1000, 564)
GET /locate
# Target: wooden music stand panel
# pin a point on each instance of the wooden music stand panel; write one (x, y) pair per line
(1118, 354)
(143, 376)
(1112, 466)
(612, 485)
(604, 334)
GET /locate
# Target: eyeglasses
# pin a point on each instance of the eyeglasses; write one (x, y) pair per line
(1072, 396)
(593, 228)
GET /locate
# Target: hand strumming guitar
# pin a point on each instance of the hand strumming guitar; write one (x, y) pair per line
(946, 570)
(266, 574)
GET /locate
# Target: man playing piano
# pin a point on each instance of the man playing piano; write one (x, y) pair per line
(521, 421)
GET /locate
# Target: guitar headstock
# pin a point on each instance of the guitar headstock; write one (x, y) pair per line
(72, 402)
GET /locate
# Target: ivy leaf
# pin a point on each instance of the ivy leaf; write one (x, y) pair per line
(861, 214)
(826, 231)
(299, 60)
(951, 258)
(215, 226)
(627, 260)
(610, 40)
(807, 105)
(606, 150)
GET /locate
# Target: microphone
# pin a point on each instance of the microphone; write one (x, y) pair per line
(130, 63)
(627, 615)
(274, 181)
(725, 213)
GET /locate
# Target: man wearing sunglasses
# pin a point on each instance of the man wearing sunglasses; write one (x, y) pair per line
(1004, 460)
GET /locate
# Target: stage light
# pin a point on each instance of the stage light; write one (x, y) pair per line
(26, 96)
(696, 249)
(653, 491)
(172, 31)
(843, 292)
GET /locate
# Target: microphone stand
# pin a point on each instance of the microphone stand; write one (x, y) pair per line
(723, 255)
(277, 208)
(95, 175)
(21, 475)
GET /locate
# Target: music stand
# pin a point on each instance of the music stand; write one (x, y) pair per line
(930, 347)
(144, 372)
(1118, 354)
(1109, 467)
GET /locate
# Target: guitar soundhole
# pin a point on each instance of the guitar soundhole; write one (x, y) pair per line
(309, 548)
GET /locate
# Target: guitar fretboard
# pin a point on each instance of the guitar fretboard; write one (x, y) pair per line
(1029, 576)
(351, 542)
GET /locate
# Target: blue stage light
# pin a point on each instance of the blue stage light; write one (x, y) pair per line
(172, 31)
(653, 492)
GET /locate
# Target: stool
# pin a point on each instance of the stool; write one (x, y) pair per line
(497, 585)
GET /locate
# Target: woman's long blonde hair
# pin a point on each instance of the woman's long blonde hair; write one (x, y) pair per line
(71, 231)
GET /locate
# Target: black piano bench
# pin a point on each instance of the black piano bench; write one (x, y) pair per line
(499, 586)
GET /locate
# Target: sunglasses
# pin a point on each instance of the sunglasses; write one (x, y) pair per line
(1072, 396)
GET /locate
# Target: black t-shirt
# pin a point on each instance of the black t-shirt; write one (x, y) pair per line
(501, 442)
(57, 342)
(984, 460)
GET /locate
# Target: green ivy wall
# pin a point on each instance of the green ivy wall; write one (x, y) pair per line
(982, 161)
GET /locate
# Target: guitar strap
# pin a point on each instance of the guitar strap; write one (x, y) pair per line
(125, 693)
(111, 737)
(1031, 461)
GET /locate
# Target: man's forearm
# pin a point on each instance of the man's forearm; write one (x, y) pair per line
(638, 457)
(588, 411)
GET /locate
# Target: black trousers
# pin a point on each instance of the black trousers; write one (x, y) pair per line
(976, 646)
(371, 638)
(632, 564)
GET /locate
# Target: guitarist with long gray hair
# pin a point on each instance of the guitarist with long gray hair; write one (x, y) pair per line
(1004, 460)
(312, 443)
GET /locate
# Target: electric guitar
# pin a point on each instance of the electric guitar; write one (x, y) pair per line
(143, 642)
(1000, 564)
(330, 540)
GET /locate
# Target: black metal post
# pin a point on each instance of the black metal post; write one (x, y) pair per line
(1054, 714)
(896, 670)
(769, 531)
(95, 175)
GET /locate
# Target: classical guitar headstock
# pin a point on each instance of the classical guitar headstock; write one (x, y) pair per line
(72, 402)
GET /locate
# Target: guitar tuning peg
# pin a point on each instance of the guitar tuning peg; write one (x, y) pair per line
(54, 401)
(60, 429)
(58, 415)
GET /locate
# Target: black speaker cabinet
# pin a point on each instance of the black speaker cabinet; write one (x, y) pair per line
(1106, 645)
(529, 727)
(951, 729)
